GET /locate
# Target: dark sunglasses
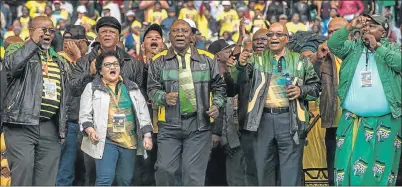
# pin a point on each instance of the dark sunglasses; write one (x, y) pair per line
(45, 30)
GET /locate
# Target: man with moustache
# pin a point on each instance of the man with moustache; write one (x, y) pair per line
(185, 84)
(35, 116)
(152, 44)
(369, 135)
(327, 66)
(74, 46)
(108, 29)
(281, 80)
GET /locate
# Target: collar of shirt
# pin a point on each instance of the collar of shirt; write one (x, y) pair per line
(277, 57)
(188, 52)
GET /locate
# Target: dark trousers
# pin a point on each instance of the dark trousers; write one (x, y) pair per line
(247, 144)
(330, 144)
(236, 168)
(182, 146)
(33, 153)
(216, 170)
(273, 138)
(144, 174)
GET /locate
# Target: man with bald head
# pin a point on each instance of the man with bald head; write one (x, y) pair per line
(282, 81)
(327, 67)
(35, 118)
(260, 40)
(185, 84)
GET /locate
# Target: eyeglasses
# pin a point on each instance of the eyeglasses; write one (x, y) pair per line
(110, 64)
(45, 30)
(279, 35)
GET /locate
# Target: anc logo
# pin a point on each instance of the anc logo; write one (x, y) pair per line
(378, 168)
(340, 141)
(368, 133)
(391, 179)
(398, 142)
(360, 167)
(340, 176)
(383, 132)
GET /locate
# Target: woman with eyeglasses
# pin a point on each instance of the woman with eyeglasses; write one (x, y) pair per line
(115, 120)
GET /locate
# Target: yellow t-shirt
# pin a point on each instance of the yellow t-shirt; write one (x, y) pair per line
(202, 25)
(35, 7)
(227, 18)
(156, 16)
(23, 35)
(189, 14)
(293, 28)
(25, 22)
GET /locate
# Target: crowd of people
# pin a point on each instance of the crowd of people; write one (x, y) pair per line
(198, 92)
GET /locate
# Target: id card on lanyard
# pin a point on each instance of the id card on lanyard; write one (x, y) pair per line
(365, 76)
(119, 119)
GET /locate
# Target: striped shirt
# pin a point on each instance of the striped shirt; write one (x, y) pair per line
(50, 107)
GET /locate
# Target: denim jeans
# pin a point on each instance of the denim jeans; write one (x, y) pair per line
(66, 171)
(117, 164)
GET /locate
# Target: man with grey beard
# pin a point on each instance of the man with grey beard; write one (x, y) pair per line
(34, 118)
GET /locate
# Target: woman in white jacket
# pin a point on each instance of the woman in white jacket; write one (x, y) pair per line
(115, 118)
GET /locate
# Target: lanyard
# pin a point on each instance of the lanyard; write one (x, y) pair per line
(46, 66)
(116, 100)
(367, 61)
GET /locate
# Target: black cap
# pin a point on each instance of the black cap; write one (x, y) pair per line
(380, 20)
(171, 9)
(218, 46)
(108, 21)
(153, 27)
(77, 32)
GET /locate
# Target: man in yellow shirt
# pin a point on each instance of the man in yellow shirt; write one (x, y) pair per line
(35, 7)
(189, 12)
(294, 25)
(156, 14)
(227, 17)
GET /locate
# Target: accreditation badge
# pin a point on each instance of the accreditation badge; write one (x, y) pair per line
(50, 90)
(365, 77)
(119, 123)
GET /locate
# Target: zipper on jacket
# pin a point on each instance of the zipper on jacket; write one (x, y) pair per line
(16, 98)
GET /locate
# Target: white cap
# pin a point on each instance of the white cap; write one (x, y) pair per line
(130, 13)
(81, 9)
(190, 22)
(224, 3)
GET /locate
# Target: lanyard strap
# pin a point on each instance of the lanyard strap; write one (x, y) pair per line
(116, 100)
(46, 66)
(367, 61)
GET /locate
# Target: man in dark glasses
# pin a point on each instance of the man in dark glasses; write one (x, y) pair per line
(282, 81)
(74, 46)
(34, 118)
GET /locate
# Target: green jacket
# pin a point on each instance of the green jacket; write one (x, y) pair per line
(256, 76)
(388, 58)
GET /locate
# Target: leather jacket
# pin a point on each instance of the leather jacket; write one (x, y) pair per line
(80, 77)
(256, 77)
(24, 88)
(326, 69)
(163, 77)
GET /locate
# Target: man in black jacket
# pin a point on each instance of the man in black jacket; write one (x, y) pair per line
(180, 82)
(108, 29)
(34, 117)
(75, 46)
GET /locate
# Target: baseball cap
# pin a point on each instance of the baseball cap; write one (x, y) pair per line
(56, 2)
(130, 13)
(171, 9)
(153, 27)
(218, 46)
(194, 29)
(77, 32)
(81, 9)
(283, 16)
(226, 3)
(380, 20)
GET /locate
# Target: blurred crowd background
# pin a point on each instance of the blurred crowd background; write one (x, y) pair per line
(213, 19)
